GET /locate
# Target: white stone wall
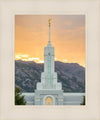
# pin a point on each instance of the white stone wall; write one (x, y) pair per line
(53, 75)
(67, 99)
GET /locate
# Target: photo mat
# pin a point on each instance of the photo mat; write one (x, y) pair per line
(12, 8)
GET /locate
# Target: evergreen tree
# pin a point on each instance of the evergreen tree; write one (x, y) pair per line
(19, 99)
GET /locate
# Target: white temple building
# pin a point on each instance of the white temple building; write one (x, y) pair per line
(49, 91)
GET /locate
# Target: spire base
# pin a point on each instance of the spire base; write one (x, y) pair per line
(49, 44)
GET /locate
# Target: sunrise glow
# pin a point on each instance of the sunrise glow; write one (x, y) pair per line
(37, 60)
(67, 37)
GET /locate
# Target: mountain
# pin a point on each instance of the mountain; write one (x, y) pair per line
(28, 73)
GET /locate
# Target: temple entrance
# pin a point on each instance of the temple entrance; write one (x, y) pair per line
(49, 101)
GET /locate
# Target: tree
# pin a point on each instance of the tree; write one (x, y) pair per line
(83, 101)
(19, 99)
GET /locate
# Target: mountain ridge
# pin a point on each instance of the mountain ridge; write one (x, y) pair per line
(71, 75)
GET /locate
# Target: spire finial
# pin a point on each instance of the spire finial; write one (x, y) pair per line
(49, 21)
(49, 42)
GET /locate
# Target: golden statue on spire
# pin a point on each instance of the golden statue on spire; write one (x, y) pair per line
(49, 21)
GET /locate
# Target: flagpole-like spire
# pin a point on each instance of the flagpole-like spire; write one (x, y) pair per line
(49, 42)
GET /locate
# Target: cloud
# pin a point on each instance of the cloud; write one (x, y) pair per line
(28, 58)
(20, 56)
(41, 61)
(56, 59)
(65, 60)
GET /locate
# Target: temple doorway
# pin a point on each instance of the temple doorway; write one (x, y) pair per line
(48, 101)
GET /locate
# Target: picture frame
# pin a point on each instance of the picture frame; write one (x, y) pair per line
(8, 10)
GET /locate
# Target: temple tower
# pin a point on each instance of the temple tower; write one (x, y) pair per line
(49, 89)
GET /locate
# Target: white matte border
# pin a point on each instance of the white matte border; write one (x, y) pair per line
(9, 8)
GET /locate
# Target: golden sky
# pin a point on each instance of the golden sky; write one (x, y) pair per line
(67, 36)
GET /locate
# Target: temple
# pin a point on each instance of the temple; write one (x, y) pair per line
(49, 90)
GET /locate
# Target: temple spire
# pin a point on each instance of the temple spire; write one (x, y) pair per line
(49, 42)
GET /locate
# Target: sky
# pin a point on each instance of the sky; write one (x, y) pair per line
(67, 37)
